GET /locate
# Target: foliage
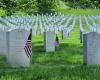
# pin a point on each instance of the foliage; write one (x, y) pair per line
(9, 6)
(83, 3)
(46, 5)
(28, 6)
(43, 6)
(2, 12)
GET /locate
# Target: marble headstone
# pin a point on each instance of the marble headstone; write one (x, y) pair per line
(64, 34)
(18, 53)
(91, 42)
(49, 41)
(3, 43)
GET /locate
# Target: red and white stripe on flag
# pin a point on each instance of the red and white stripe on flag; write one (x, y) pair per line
(28, 48)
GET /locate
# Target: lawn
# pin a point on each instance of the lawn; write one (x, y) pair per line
(66, 63)
(79, 11)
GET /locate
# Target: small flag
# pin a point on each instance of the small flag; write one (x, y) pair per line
(28, 46)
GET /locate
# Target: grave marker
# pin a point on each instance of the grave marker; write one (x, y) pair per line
(49, 41)
(20, 48)
(3, 43)
(64, 33)
(91, 48)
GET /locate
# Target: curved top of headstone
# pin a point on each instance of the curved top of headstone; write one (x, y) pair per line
(18, 29)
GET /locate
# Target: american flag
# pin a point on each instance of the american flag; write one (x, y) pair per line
(28, 46)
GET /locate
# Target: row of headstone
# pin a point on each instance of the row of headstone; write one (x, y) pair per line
(12, 26)
(49, 36)
(82, 30)
(42, 23)
(94, 24)
(66, 31)
(17, 39)
(91, 44)
(90, 23)
(97, 18)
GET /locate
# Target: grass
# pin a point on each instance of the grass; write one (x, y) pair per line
(66, 63)
(79, 11)
(63, 8)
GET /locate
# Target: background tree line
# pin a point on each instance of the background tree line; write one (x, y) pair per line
(43, 6)
(28, 6)
(83, 3)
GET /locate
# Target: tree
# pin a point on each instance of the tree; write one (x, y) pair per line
(27, 5)
(46, 5)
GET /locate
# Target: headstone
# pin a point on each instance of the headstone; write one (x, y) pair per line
(91, 42)
(56, 30)
(3, 43)
(19, 48)
(49, 41)
(64, 34)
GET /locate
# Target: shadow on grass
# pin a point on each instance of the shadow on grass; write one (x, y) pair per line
(66, 54)
(38, 47)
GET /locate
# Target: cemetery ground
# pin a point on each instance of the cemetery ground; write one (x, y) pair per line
(62, 10)
(66, 63)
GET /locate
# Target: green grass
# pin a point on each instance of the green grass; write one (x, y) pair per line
(66, 63)
(79, 11)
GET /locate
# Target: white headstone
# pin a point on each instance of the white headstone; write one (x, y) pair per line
(64, 33)
(91, 42)
(49, 41)
(3, 43)
(19, 48)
